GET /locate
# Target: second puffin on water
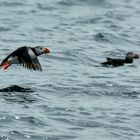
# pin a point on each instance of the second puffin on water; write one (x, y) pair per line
(25, 56)
(120, 62)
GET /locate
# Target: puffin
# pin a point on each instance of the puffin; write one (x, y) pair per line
(120, 62)
(25, 56)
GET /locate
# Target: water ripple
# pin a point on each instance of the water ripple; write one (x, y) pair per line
(100, 3)
(13, 4)
(41, 6)
(17, 94)
(4, 29)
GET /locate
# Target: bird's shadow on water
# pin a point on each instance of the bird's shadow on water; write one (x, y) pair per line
(15, 93)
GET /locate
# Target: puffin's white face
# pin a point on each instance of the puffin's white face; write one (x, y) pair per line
(41, 50)
(132, 55)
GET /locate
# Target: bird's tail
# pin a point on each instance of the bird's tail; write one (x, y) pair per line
(108, 62)
(6, 65)
(108, 59)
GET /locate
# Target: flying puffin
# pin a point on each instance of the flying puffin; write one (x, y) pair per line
(25, 56)
(120, 62)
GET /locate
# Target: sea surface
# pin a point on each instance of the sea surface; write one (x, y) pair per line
(74, 98)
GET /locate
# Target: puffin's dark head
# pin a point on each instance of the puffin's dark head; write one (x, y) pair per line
(132, 55)
(41, 50)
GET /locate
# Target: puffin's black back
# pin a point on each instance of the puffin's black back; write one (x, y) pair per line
(113, 62)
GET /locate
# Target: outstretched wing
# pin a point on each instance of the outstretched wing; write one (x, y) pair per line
(29, 60)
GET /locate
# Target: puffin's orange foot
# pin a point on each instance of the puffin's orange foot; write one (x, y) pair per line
(6, 65)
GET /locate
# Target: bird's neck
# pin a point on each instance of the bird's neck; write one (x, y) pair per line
(128, 60)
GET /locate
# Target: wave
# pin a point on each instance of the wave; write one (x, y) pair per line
(17, 94)
(102, 3)
(15, 88)
(9, 4)
(43, 6)
(4, 29)
(114, 39)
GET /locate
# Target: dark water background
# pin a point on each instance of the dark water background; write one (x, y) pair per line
(74, 98)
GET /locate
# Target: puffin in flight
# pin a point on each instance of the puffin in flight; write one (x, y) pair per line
(25, 56)
(120, 62)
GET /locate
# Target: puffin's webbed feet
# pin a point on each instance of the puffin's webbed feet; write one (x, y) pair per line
(6, 65)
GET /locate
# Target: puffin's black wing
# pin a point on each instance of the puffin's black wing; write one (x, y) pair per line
(26, 57)
(29, 60)
(113, 62)
(13, 54)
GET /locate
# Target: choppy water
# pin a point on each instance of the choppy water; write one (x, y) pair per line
(74, 98)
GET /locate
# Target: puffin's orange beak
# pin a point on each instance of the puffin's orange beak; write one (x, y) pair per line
(136, 56)
(46, 50)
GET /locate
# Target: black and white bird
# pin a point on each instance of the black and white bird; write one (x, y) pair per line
(120, 62)
(25, 56)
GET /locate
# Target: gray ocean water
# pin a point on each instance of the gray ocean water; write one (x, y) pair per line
(74, 98)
